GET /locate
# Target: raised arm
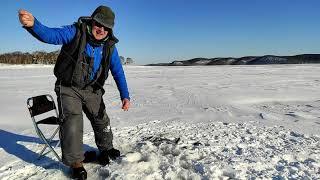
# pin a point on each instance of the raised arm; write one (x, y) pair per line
(62, 35)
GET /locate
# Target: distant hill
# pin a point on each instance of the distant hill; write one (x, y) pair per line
(247, 60)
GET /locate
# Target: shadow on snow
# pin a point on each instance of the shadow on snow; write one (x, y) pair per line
(10, 143)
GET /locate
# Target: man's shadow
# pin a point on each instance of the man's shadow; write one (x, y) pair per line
(10, 143)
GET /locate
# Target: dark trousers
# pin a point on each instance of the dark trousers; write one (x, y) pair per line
(71, 102)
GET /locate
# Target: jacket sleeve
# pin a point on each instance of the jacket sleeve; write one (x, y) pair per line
(118, 75)
(56, 36)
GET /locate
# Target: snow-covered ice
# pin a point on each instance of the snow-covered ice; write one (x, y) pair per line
(209, 122)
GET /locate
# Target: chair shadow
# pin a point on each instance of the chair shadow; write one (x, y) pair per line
(10, 143)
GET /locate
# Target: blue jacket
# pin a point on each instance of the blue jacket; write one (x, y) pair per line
(65, 34)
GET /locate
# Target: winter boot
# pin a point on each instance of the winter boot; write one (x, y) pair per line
(113, 153)
(90, 156)
(78, 172)
(106, 154)
(103, 158)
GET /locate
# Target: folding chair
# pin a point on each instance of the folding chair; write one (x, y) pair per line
(39, 105)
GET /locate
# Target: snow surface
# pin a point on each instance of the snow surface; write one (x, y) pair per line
(211, 122)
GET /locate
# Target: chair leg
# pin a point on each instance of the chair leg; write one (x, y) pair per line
(49, 141)
(48, 151)
(48, 145)
(59, 142)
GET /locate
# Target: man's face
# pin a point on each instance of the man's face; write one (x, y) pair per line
(99, 31)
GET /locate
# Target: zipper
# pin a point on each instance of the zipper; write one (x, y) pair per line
(92, 68)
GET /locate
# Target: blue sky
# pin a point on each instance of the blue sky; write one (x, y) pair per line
(152, 31)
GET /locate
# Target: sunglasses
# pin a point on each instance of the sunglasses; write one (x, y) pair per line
(95, 23)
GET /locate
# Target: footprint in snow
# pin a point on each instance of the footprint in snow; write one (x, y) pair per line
(292, 114)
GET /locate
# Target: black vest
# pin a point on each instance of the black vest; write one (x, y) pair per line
(71, 68)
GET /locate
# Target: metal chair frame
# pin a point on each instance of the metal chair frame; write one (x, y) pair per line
(42, 104)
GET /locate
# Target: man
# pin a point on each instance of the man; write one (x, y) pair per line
(88, 52)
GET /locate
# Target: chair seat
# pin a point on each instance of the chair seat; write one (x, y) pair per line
(49, 120)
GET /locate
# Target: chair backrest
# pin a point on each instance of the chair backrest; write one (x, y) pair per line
(40, 104)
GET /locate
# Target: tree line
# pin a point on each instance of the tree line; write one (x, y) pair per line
(40, 57)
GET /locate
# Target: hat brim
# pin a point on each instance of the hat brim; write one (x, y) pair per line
(104, 21)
